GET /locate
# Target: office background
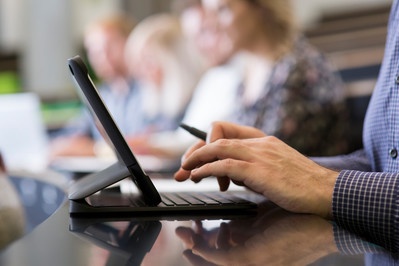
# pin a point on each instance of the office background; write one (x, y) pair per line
(36, 38)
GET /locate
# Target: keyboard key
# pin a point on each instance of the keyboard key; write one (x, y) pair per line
(177, 200)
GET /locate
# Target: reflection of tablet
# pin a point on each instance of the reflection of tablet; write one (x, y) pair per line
(127, 240)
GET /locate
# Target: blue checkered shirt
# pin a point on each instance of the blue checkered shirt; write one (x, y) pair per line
(364, 202)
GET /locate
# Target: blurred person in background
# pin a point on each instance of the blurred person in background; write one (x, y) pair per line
(159, 55)
(263, 73)
(289, 89)
(213, 44)
(104, 43)
(214, 95)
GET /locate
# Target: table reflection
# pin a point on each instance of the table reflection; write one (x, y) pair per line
(126, 242)
(12, 218)
(39, 199)
(271, 237)
(277, 237)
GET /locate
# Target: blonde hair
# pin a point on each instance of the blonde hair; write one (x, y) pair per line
(180, 62)
(120, 23)
(279, 22)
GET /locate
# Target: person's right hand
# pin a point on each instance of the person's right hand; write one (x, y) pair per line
(220, 130)
(263, 164)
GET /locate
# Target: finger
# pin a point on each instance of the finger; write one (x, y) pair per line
(241, 184)
(212, 255)
(182, 175)
(225, 130)
(198, 227)
(224, 183)
(233, 169)
(218, 150)
(193, 148)
(223, 240)
(186, 235)
(195, 259)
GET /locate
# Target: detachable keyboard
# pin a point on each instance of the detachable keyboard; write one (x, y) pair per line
(201, 198)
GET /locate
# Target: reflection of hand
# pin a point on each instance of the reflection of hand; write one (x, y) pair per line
(263, 164)
(276, 238)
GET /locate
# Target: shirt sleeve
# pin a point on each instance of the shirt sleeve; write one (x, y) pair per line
(352, 244)
(356, 160)
(366, 203)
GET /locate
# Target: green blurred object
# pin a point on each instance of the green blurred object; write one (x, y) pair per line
(9, 82)
(56, 114)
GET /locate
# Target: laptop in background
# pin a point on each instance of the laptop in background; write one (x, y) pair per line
(92, 194)
(23, 136)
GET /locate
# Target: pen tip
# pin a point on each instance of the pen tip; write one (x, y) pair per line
(184, 126)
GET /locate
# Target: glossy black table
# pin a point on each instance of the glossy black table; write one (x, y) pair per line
(271, 237)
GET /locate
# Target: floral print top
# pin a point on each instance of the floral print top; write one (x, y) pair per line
(303, 103)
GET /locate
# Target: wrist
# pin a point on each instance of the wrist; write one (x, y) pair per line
(327, 193)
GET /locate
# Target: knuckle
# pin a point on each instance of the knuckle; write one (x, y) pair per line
(223, 142)
(228, 163)
(271, 139)
(232, 165)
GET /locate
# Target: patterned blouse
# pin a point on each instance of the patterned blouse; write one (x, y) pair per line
(302, 103)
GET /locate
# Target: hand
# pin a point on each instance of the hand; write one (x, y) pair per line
(265, 165)
(275, 238)
(72, 146)
(144, 145)
(220, 131)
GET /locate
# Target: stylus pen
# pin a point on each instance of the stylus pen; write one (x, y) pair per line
(194, 131)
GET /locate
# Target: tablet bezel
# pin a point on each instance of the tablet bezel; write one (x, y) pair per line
(113, 136)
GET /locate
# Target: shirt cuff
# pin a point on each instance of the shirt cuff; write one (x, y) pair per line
(365, 203)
